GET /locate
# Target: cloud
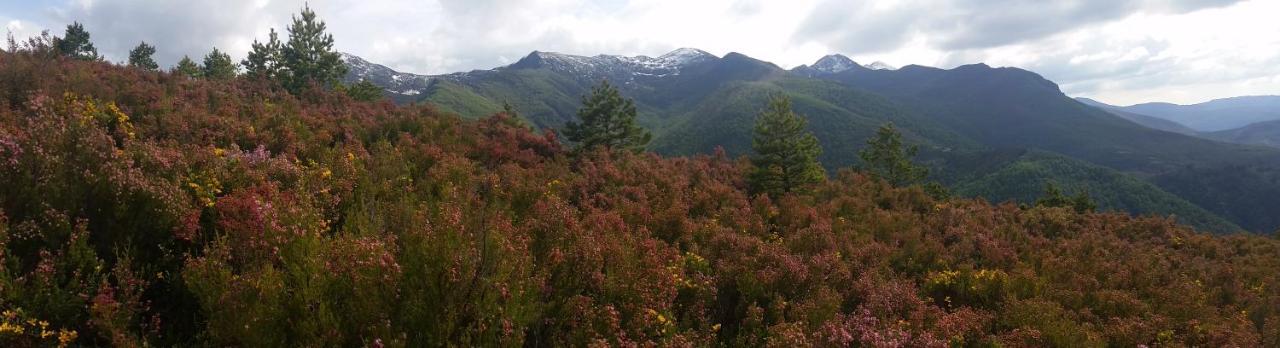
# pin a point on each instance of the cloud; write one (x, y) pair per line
(861, 26)
(1115, 50)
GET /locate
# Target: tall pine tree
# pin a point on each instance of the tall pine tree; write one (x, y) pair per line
(187, 67)
(607, 120)
(885, 157)
(218, 66)
(308, 57)
(140, 57)
(75, 43)
(786, 154)
(263, 60)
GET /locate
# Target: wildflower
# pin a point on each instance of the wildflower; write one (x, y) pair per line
(65, 337)
(5, 327)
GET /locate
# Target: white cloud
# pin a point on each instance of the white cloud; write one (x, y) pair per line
(1119, 51)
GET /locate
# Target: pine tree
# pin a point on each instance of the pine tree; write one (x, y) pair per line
(263, 60)
(140, 57)
(75, 43)
(363, 91)
(308, 57)
(510, 110)
(786, 154)
(218, 66)
(607, 120)
(511, 116)
(888, 159)
(187, 67)
(1082, 202)
(1052, 197)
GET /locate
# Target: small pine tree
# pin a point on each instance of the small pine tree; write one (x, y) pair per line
(888, 159)
(140, 57)
(218, 66)
(75, 43)
(607, 120)
(263, 60)
(786, 154)
(1053, 197)
(363, 91)
(510, 110)
(1082, 203)
(511, 116)
(187, 67)
(308, 57)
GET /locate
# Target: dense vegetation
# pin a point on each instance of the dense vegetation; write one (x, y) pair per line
(150, 208)
(1020, 176)
(954, 116)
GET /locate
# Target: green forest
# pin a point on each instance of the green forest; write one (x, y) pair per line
(279, 207)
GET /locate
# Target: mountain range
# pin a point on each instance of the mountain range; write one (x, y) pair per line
(1256, 119)
(996, 133)
(1215, 115)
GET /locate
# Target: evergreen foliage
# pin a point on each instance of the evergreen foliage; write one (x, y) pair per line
(510, 110)
(188, 67)
(140, 57)
(218, 66)
(308, 57)
(75, 43)
(264, 59)
(786, 153)
(363, 91)
(608, 120)
(886, 157)
(1055, 198)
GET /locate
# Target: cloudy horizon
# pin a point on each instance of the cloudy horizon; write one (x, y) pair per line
(1116, 51)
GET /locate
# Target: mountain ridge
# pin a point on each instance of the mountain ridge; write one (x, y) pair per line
(698, 107)
(1214, 115)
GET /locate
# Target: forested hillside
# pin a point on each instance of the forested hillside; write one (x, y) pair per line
(147, 208)
(694, 103)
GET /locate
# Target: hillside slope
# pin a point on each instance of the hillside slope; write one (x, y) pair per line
(150, 209)
(694, 102)
(1020, 176)
(1262, 133)
(1014, 108)
(1215, 115)
(1148, 121)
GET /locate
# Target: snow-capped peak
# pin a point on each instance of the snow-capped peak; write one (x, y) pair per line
(683, 56)
(622, 69)
(834, 63)
(878, 65)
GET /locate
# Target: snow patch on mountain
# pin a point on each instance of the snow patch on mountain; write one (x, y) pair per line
(878, 65)
(390, 80)
(834, 63)
(619, 69)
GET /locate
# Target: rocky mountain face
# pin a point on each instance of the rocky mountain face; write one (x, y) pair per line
(394, 82)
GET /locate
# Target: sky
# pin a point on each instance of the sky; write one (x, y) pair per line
(1117, 51)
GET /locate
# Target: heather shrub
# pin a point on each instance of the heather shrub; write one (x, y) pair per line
(145, 208)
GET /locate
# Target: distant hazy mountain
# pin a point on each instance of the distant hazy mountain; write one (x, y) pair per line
(1149, 121)
(1261, 133)
(694, 102)
(1216, 115)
